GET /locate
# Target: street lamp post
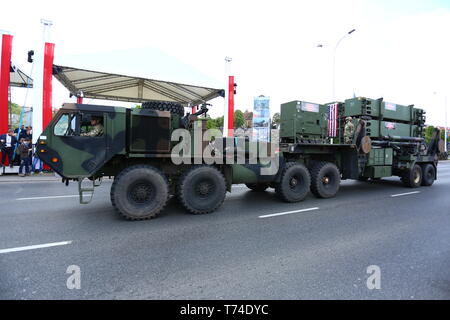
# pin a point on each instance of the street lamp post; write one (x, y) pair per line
(334, 61)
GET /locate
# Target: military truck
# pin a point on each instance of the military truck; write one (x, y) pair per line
(135, 148)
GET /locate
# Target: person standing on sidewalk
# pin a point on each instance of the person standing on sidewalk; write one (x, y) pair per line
(37, 165)
(7, 143)
(25, 159)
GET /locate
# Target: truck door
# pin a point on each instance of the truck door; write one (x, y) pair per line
(78, 142)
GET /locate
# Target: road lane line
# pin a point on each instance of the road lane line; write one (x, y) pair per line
(404, 194)
(50, 197)
(38, 246)
(287, 212)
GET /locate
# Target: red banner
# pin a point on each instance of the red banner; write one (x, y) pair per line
(230, 106)
(5, 64)
(47, 85)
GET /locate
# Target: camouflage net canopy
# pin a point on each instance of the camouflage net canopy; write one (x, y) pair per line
(116, 87)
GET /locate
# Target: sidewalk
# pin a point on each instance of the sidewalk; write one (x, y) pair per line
(11, 177)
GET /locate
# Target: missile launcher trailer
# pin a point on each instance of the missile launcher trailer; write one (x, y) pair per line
(388, 140)
(135, 147)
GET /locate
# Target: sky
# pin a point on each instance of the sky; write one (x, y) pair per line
(400, 50)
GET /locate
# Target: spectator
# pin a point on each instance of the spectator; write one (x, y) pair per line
(25, 134)
(25, 159)
(37, 166)
(7, 143)
(19, 130)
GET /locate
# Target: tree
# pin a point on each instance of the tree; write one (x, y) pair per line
(239, 119)
(216, 123)
(428, 133)
(15, 111)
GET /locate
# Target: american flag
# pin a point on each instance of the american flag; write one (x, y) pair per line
(332, 120)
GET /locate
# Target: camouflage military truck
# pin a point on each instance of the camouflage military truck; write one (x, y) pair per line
(135, 148)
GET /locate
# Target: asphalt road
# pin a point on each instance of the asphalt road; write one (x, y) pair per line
(234, 253)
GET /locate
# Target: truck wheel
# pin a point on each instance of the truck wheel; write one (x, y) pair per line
(258, 187)
(294, 183)
(412, 178)
(428, 174)
(325, 180)
(139, 192)
(202, 189)
(172, 107)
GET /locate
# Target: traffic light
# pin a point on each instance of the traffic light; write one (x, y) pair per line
(30, 56)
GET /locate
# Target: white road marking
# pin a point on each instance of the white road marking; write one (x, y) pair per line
(404, 194)
(287, 212)
(38, 246)
(50, 197)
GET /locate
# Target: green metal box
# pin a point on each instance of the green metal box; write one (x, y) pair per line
(377, 129)
(378, 171)
(380, 157)
(303, 119)
(379, 109)
(361, 107)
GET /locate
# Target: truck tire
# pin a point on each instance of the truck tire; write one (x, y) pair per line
(202, 189)
(412, 178)
(294, 182)
(325, 179)
(139, 192)
(258, 187)
(428, 174)
(172, 107)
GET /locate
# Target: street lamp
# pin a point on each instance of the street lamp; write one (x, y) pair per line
(334, 61)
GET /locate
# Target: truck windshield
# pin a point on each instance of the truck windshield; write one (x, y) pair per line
(66, 125)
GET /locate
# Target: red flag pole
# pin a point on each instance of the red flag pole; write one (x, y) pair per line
(49, 51)
(4, 80)
(231, 106)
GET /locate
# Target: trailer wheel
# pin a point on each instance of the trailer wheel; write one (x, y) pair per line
(412, 178)
(202, 189)
(258, 187)
(139, 192)
(325, 179)
(294, 183)
(428, 174)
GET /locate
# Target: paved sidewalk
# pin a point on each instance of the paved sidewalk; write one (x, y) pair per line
(11, 177)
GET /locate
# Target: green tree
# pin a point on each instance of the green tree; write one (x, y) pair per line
(219, 122)
(428, 133)
(239, 119)
(216, 123)
(211, 124)
(14, 111)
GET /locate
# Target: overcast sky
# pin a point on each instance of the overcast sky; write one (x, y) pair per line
(400, 50)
